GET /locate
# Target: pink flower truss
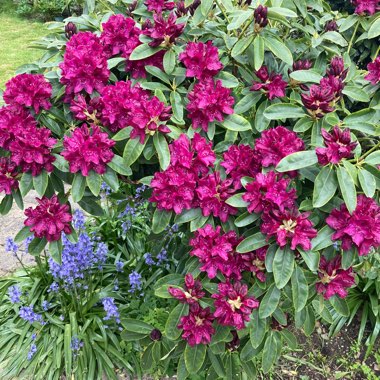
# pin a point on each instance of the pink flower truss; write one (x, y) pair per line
(120, 36)
(146, 120)
(119, 103)
(164, 31)
(12, 120)
(174, 189)
(159, 5)
(289, 227)
(269, 191)
(31, 150)
(255, 262)
(361, 229)
(366, 7)
(373, 75)
(196, 154)
(28, 90)
(201, 60)
(277, 143)
(333, 279)
(212, 193)
(49, 219)
(233, 305)
(88, 149)
(216, 252)
(197, 325)
(338, 146)
(193, 291)
(84, 66)
(209, 101)
(318, 100)
(8, 176)
(272, 84)
(241, 161)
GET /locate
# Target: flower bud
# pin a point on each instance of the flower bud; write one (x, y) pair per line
(234, 344)
(70, 30)
(331, 26)
(261, 19)
(131, 8)
(155, 334)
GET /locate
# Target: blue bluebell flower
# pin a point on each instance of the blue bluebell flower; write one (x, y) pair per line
(135, 281)
(27, 314)
(32, 351)
(111, 309)
(14, 293)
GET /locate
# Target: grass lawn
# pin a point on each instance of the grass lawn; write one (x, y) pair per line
(16, 34)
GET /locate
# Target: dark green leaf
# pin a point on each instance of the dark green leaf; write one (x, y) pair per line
(162, 149)
(120, 166)
(269, 353)
(137, 326)
(281, 111)
(172, 332)
(367, 182)
(40, 182)
(133, 150)
(194, 357)
(123, 134)
(36, 246)
(78, 187)
(94, 182)
(323, 240)
(297, 161)
(23, 234)
(169, 61)
(236, 123)
(251, 243)
(258, 52)
(270, 302)
(283, 266)
(340, 306)
(161, 219)
(347, 187)
(55, 250)
(237, 201)
(110, 178)
(325, 186)
(258, 330)
(143, 51)
(300, 289)
(279, 49)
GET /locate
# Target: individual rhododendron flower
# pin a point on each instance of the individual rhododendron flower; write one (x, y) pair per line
(196, 154)
(88, 149)
(192, 292)
(361, 229)
(85, 108)
(120, 35)
(216, 252)
(197, 325)
(28, 90)
(331, 26)
(233, 305)
(119, 103)
(209, 101)
(212, 194)
(255, 262)
(366, 7)
(338, 146)
(164, 32)
(333, 279)
(148, 118)
(373, 75)
(272, 84)
(8, 175)
(319, 100)
(84, 66)
(31, 150)
(269, 191)
(277, 143)
(12, 120)
(159, 5)
(49, 218)
(261, 17)
(182, 10)
(336, 68)
(201, 60)
(174, 189)
(241, 161)
(289, 226)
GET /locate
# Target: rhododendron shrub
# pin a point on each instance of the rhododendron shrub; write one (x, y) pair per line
(256, 129)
